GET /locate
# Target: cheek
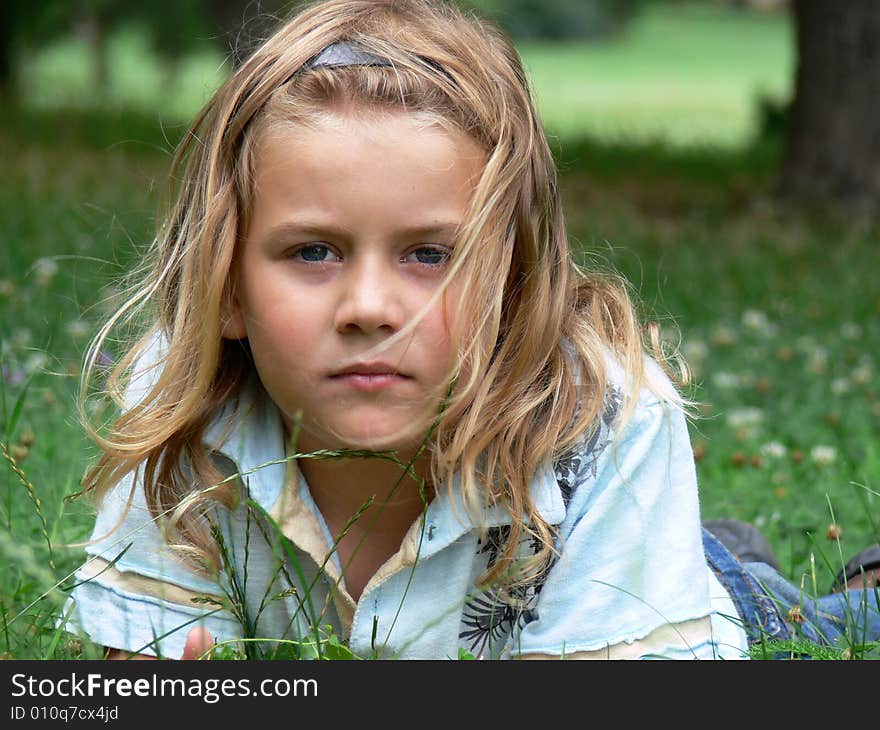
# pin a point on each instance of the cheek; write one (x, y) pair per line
(282, 328)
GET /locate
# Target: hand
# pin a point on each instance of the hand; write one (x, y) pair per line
(198, 642)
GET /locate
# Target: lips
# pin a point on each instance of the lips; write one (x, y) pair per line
(369, 377)
(368, 368)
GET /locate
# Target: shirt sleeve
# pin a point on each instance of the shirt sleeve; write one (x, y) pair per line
(133, 593)
(631, 577)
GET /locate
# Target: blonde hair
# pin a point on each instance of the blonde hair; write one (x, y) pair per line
(530, 376)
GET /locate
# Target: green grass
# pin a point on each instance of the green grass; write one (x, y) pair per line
(777, 306)
(778, 318)
(684, 76)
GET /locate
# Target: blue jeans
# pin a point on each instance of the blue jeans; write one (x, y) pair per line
(772, 608)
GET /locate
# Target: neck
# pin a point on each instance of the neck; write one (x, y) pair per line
(368, 495)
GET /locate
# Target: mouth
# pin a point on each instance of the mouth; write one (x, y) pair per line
(369, 377)
(368, 368)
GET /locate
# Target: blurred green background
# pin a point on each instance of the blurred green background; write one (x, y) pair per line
(670, 123)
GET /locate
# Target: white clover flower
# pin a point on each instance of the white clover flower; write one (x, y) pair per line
(7, 288)
(823, 455)
(851, 330)
(754, 319)
(757, 321)
(818, 362)
(806, 343)
(863, 374)
(839, 386)
(45, 269)
(726, 380)
(35, 362)
(77, 328)
(773, 450)
(745, 417)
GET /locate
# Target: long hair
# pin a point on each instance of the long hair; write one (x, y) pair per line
(530, 373)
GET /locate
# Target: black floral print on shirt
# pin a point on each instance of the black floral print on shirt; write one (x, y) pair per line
(489, 618)
(570, 469)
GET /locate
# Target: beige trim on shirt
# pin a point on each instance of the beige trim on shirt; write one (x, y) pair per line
(104, 572)
(657, 643)
(300, 525)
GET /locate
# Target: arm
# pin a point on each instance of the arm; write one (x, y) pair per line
(133, 595)
(631, 579)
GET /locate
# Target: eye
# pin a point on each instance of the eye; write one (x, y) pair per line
(314, 253)
(429, 255)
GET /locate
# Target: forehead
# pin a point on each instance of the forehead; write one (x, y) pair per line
(359, 128)
(343, 161)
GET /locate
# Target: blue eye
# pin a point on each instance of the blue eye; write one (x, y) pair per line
(315, 253)
(429, 255)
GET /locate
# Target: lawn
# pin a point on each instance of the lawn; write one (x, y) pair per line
(776, 306)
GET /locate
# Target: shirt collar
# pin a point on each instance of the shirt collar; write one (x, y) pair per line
(250, 432)
(447, 518)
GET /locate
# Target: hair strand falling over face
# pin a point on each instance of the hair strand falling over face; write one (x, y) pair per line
(532, 328)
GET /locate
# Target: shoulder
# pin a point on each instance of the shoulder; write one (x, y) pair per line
(652, 387)
(631, 476)
(632, 396)
(246, 429)
(146, 368)
(630, 558)
(639, 419)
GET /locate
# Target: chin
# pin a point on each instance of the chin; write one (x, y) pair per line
(379, 443)
(392, 438)
(360, 430)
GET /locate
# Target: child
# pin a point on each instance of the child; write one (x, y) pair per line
(377, 401)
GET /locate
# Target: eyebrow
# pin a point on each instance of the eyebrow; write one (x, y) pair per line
(315, 228)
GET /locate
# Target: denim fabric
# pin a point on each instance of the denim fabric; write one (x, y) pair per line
(761, 616)
(765, 599)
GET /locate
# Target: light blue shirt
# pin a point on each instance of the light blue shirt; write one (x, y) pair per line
(630, 577)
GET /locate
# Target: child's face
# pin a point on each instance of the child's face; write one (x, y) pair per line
(348, 236)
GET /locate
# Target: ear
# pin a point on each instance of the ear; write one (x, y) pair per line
(232, 324)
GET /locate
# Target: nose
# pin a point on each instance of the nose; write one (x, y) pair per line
(370, 298)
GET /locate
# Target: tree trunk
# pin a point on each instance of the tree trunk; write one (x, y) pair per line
(244, 24)
(833, 144)
(8, 89)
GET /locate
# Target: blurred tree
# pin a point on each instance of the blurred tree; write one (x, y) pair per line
(833, 139)
(559, 19)
(25, 24)
(173, 25)
(243, 24)
(94, 20)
